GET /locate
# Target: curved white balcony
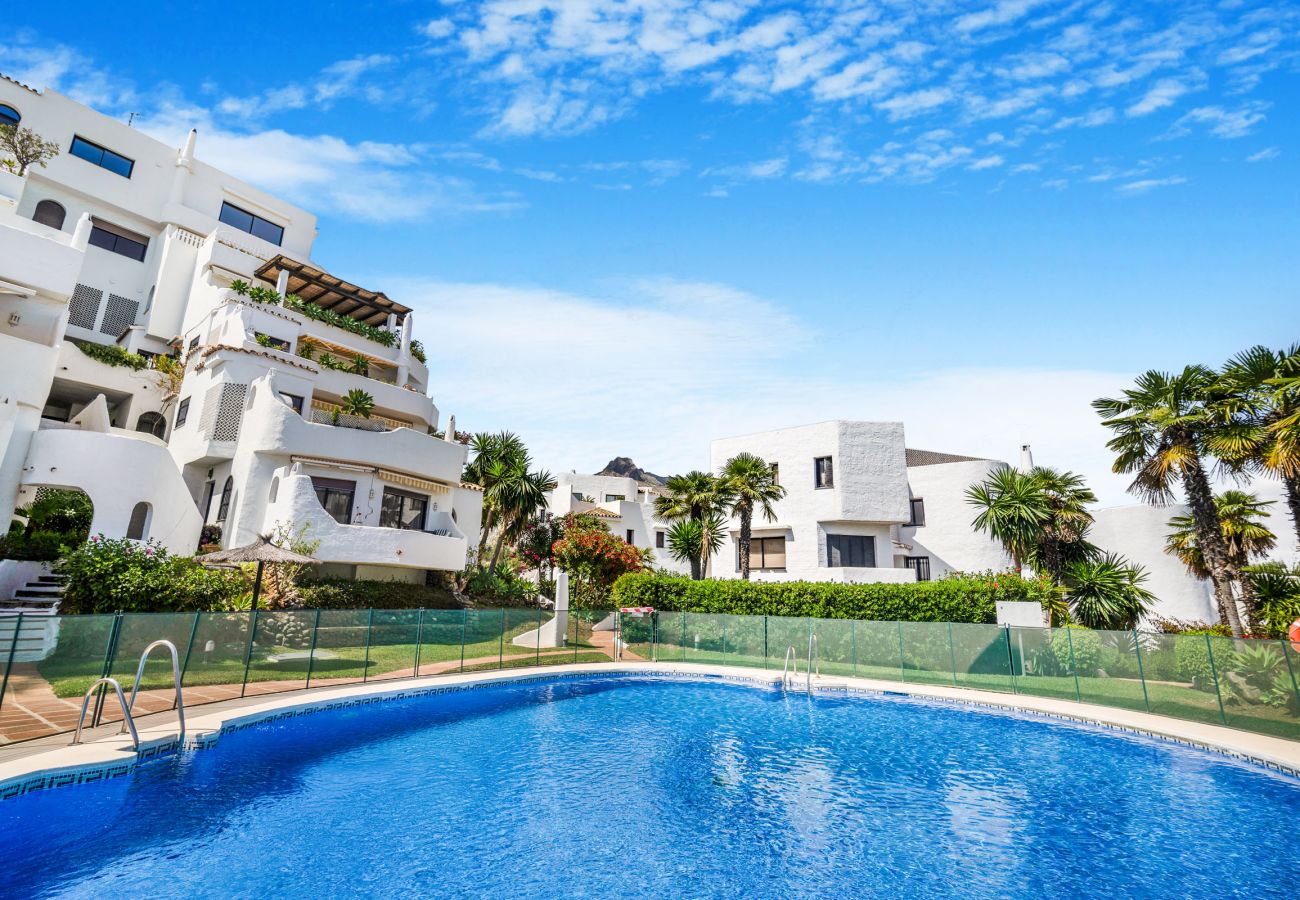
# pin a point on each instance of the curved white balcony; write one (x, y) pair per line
(295, 502)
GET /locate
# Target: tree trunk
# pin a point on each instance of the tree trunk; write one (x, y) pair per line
(1249, 599)
(1053, 558)
(746, 534)
(496, 552)
(1209, 535)
(1292, 485)
(695, 567)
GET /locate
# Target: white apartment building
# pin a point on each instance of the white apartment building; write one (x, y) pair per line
(860, 506)
(122, 241)
(624, 504)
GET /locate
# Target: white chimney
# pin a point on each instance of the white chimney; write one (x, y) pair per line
(1026, 458)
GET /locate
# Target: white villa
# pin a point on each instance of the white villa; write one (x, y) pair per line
(125, 244)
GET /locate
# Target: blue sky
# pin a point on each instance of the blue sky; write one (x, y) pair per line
(632, 226)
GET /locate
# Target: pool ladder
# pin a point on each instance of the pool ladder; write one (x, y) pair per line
(791, 666)
(128, 707)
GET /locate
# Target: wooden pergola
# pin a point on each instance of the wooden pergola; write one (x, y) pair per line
(329, 292)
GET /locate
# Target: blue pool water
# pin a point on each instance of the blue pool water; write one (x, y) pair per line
(636, 787)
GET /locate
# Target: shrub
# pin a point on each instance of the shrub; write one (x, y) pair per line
(1077, 644)
(110, 575)
(965, 598)
(112, 355)
(343, 593)
(1192, 656)
(595, 559)
(59, 520)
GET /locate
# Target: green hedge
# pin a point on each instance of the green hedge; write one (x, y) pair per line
(969, 598)
(342, 593)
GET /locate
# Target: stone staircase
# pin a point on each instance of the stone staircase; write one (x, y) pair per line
(38, 602)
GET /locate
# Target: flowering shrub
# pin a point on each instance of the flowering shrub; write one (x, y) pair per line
(106, 575)
(594, 559)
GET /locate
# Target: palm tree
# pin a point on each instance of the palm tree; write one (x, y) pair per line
(1160, 427)
(696, 496)
(1244, 536)
(1259, 402)
(498, 463)
(747, 479)
(1107, 592)
(1040, 517)
(691, 540)
(517, 497)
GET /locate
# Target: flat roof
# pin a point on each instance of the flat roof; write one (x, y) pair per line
(329, 292)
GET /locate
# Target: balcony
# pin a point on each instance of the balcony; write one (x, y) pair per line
(441, 546)
(37, 256)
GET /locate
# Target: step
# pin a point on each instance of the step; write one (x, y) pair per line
(39, 593)
(52, 579)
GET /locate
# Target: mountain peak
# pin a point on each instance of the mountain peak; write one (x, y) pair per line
(624, 467)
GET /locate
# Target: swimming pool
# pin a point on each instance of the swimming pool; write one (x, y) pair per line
(654, 787)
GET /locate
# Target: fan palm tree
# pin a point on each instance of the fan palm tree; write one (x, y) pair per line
(1106, 592)
(517, 497)
(357, 402)
(696, 496)
(691, 540)
(748, 481)
(1245, 537)
(1064, 535)
(1259, 403)
(494, 458)
(1011, 511)
(1160, 427)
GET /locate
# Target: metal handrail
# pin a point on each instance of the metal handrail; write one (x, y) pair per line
(176, 675)
(791, 659)
(127, 721)
(813, 644)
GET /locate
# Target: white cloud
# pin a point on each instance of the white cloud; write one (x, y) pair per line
(1001, 13)
(1265, 154)
(988, 162)
(1222, 122)
(662, 337)
(1144, 185)
(438, 28)
(1163, 93)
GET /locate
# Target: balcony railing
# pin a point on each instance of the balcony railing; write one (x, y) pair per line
(325, 413)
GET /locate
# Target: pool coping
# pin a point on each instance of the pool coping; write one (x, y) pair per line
(111, 756)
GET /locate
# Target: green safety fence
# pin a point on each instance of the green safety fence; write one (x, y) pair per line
(1245, 684)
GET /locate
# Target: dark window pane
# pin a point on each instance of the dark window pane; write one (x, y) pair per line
(105, 240)
(182, 412)
(390, 511)
(413, 515)
(118, 164)
(225, 499)
(236, 217)
(850, 551)
(267, 231)
(9, 115)
(918, 512)
(87, 151)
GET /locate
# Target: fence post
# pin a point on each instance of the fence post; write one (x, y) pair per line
(1137, 651)
(189, 648)
(419, 642)
(766, 652)
(1011, 660)
(1074, 667)
(311, 654)
(683, 635)
(724, 641)
(1286, 654)
(952, 656)
(370, 624)
(501, 642)
(464, 620)
(1214, 673)
(902, 670)
(9, 663)
(110, 654)
(654, 637)
(853, 644)
(248, 653)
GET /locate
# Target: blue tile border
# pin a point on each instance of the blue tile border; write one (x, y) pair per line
(99, 772)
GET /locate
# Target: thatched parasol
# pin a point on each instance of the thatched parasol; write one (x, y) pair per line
(261, 551)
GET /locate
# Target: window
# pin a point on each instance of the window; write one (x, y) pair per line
(335, 497)
(824, 473)
(254, 225)
(764, 553)
(50, 214)
(854, 551)
(9, 115)
(208, 490)
(631, 536)
(224, 507)
(102, 157)
(151, 423)
(194, 342)
(918, 511)
(106, 237)
(776, 473)
(920, 565)
(611, 497)
(182, 412)
(400, 509)
(273, 342)
(659, 540)
(294, 401)
(137, 529)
